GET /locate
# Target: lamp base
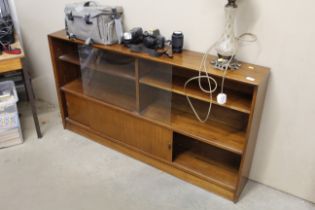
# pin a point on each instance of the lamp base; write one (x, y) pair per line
(222, 63)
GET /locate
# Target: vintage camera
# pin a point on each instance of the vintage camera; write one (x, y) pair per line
(134, 36)
(153, 39)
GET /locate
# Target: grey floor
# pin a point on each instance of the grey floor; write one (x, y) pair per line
(65, 171)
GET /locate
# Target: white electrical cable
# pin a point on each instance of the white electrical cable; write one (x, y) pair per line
(204, 69)
(199, 77)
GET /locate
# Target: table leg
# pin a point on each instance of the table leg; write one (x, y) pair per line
(25, 88)
(29, 89)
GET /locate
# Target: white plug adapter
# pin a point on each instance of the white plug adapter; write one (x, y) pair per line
(221, 98)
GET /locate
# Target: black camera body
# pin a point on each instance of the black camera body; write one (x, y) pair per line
(134, 36)
(153, 39)
(150, 39)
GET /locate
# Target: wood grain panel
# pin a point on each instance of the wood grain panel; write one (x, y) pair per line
(135, 132)
(78, 110)
(10, 65)
(252, 132)
(63, 72)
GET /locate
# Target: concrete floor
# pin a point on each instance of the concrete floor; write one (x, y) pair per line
(66, 171)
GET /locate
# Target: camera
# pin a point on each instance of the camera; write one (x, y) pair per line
(153, 39)
(150, 39)
(134, 36)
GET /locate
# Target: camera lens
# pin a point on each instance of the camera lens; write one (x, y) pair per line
(177, 41)
(127, 36)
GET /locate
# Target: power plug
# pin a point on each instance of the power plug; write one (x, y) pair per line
(221, 98)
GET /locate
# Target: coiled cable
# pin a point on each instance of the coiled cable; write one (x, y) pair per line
(211, 88)
(5, 30)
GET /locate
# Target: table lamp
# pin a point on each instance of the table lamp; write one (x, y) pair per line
(227, 45)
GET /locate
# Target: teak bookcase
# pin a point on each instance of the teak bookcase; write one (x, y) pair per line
(136, 104)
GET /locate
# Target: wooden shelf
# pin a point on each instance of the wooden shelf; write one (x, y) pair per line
(208, 169)
(187, 59)
(122, 71)
(139, 100)
(236, 101)
(212, 132)
(207, 162)
(126, 100)
(70, 58)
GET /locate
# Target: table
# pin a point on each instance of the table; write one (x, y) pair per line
(12, 63)
(17, 44)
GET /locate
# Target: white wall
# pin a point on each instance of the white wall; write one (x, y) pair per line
(285, 155)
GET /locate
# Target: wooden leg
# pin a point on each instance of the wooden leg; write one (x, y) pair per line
(30, 93)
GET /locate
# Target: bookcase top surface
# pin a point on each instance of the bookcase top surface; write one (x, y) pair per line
(248, 73)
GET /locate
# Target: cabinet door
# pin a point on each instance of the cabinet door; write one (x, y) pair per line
(78, 109)
(138, 133)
